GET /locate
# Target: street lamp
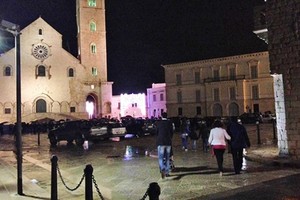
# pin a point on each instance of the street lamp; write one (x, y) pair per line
(15, 30)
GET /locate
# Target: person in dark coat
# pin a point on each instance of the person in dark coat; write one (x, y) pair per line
(239, 141)
(164, 134)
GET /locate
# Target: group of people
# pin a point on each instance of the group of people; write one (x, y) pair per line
(235, 135)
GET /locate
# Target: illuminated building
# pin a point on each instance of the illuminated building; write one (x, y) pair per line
(55, 84)
(156, 100)
(227, 86)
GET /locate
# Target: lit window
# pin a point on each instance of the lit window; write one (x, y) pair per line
(41, 70)
(92, 26)
(93, 48)
(41, 106)
(71, 72)
(92, 3)
(94, 71)
(7, 71)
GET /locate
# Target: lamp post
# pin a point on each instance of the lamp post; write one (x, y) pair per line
(15, 30)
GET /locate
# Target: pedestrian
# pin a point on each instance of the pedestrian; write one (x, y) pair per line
(204, 133)
(217, 140)
(239, 141)
(194, 134)
(164, 134)
(185, 131)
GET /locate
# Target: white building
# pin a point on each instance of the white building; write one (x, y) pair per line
(156, 100)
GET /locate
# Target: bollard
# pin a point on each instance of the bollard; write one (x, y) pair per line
(258, 132)
(54, 160)
(88, 171)
(274, 128)
(153, 191)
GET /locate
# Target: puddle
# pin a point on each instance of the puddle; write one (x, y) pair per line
(132, 152)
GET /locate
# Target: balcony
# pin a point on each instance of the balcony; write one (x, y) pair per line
(227, 78)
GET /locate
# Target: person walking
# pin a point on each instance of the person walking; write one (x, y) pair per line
(239, 141)
(194, 134)
(217, 140)
(204, 132)
(164, 134)
(185, 132)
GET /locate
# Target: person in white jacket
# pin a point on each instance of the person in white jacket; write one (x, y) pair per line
(217, 140)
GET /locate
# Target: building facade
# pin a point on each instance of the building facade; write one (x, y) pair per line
(228, 86)
(55, 84)
(156, 100)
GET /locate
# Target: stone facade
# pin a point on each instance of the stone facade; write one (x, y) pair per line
(227, 86)
(55, 84)
(283, 24)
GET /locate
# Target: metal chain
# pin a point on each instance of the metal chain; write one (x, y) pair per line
(145, 195)
(64, 183)
(97, 188)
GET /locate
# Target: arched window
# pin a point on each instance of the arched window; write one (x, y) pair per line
(71, 72)
(40, 31)
(92, 26)
(217, 110)
(92, 3)
(7, 71)
(93, 48)
(41, 106)
(41, 70)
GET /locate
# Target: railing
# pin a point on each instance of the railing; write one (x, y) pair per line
(152, 192)
(227, 78)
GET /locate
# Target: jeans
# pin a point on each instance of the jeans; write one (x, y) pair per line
(164, 152)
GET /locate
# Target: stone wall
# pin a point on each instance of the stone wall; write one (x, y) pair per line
(283, 23)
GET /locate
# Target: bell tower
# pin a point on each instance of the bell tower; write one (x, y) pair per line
(91, 36)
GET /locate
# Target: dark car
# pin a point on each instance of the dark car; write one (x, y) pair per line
(69, 131)
(102, 131)
(250, 118)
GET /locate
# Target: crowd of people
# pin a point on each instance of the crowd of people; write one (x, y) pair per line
(217, 138)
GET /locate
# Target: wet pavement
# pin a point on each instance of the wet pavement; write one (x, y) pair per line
(124, 170)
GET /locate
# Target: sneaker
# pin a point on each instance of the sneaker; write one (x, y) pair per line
(221, 174)
(186, 149)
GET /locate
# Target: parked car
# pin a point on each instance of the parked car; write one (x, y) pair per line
(69, 131)
(250, 118)
(102, 131)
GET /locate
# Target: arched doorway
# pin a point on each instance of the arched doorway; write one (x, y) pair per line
(91, 106)
(233, 109)
(217, 110)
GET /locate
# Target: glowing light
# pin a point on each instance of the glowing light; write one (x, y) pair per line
(89, 108)
(133, 104)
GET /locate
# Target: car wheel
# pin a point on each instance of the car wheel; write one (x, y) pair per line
(53, 140)
(79, 141)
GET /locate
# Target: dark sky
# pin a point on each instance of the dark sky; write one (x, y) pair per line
(143, 34)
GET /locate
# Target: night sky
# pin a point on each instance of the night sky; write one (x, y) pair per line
(144, 34)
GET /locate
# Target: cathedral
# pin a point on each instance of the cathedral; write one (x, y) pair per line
(54, 83)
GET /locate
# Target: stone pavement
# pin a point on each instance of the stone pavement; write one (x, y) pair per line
(187, 171)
